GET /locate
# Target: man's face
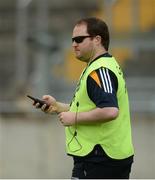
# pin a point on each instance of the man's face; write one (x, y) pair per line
(84, 47)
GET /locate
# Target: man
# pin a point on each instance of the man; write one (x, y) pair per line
(97, 121)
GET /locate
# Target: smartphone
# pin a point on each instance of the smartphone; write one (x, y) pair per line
(36, 100)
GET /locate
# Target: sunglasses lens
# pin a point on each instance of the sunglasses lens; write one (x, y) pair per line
(79, 39)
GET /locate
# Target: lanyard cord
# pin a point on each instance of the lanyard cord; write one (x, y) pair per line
(77, 106)
(75, 133)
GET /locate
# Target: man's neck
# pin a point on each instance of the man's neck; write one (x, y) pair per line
(97, 54)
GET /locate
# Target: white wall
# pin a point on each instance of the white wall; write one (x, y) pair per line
(35, 148)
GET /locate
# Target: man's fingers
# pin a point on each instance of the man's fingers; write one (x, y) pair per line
(37, 105)
(44, 107)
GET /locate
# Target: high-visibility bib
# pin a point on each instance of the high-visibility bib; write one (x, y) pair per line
(114, 136)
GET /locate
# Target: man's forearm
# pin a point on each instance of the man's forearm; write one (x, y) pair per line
(97, 115)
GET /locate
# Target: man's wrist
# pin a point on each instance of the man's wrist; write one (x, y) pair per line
(62, 107)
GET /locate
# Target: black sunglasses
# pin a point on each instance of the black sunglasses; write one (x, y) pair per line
(79, 39)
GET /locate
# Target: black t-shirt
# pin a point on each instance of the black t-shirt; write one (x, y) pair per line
(102, 86)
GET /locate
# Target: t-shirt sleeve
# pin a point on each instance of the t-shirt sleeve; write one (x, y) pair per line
(102, 85)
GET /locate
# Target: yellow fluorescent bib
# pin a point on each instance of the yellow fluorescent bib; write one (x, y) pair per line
(113, 136)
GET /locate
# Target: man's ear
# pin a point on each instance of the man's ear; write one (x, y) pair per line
(98, 39)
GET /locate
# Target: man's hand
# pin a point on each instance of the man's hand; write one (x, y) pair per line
(52, 106)
(51, 101)
(67, 118)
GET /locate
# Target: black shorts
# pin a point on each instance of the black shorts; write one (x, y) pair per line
(97, 165)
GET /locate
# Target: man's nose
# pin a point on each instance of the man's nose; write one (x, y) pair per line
(74, 44)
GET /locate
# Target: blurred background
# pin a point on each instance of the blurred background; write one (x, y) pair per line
(36, 58)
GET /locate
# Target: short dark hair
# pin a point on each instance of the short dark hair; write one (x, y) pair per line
(96, 26)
